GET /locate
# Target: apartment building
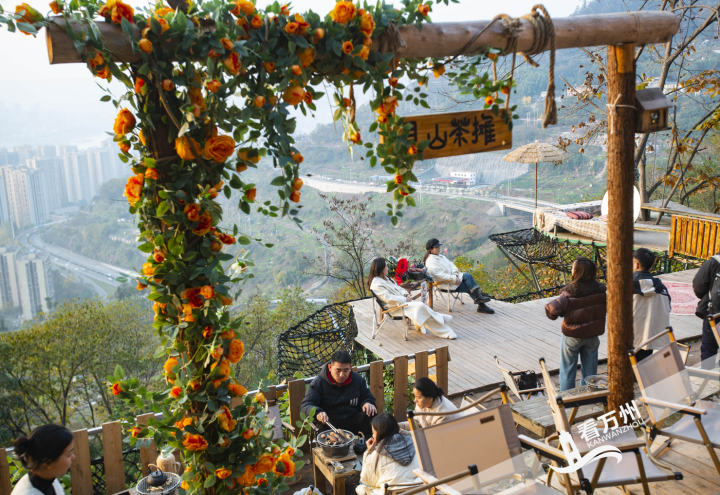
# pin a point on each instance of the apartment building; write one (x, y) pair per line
(27, 196)
(9, 292)
(35, 284)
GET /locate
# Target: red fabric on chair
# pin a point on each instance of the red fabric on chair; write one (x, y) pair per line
(402, 267)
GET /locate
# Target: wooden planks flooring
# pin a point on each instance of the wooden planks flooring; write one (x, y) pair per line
(518, 334)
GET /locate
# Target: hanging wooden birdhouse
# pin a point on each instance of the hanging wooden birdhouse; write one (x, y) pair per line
(652, 110)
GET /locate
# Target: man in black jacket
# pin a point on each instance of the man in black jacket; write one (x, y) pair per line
(341, 396)
(702, 283)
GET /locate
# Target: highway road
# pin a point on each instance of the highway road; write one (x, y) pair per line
(88, 270)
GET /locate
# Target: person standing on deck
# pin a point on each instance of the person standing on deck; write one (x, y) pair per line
(702, 284)
(442, 269)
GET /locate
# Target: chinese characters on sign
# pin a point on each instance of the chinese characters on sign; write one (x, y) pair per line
(460, 133)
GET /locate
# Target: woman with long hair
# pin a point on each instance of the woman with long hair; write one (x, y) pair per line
(583, 306)
(430, 398)
(385, 289)
(47, 454)
(390, 457)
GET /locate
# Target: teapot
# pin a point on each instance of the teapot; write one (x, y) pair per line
(360, 445)
(156, 478)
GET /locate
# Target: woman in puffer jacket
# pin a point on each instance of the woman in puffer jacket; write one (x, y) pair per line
(583, 306)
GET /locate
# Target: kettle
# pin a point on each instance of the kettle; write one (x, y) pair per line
(360, 446)
(156, 478)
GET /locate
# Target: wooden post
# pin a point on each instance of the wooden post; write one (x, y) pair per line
(400, 398)
(5, 487)
(377, 385)
(148, 455)
(80, 475)
(536, 185)
(421, 364)
(442, 356)
(113, 457)
(296, 392)
(620, 179)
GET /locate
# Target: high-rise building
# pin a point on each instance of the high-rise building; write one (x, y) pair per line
(79, 185)
(4, 205)
(9, 293)
(102, 166)
(9, 158)
(64, 150)
(26, 196)
(53, 180)
(35, 284)
(25, 153)
(47, 151)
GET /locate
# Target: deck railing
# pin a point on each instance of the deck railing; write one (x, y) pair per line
(81, 476)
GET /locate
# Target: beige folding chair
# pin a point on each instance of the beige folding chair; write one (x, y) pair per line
(667, 387)
(452, 294)
(508, 377)
(486, 440)
(385, 316)
(635, 466)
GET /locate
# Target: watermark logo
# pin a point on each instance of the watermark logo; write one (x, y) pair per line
(591, 435)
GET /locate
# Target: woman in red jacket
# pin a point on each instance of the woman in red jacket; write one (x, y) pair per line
(583, 306)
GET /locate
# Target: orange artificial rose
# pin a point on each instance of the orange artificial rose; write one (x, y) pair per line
(284, 466)
(204, 224)
(213, 86)
(260, 398)
(224, 369)
(319, 34)
(170, 365)
(259, 101)
(192, 212)
(193, 295)
(250, 195)
(388, 106)
(294, 95)
(489, 100)
(256, 22)
(364, 52)
(124, 146)
(237, 390)
(158, 256)
(296, 70)
(393, 81)
(265, 464)
(244, 6)
(295, 196)
(355, 137)
(152, 173)
(140, 286)
(248, 434)
(367, 24)
(227, 44)
(412, 150)
(133, 188)
(207, 332)
(423, 9)
(194, 385)
(308, 98)
(343, 12)
(248, 477)
(148, 269)
(180, 425)
(124, 122)
(219, 148)
(217, 353)
(347, 47)
(505, 90)
(298, 158)
(145, 45)
(175, 392)
(135, 431)
(120, 11)
(291, 27)
(228, 334)
(307, 56)
(438, 71)
(117, 389)
(223, 473)
(226, 301)
(207, 292)
(195, 442)
(141, 137)
(163, 11)
(225, 238)
(382, 119)
(225, 419)
(55, 7)
(29, 15)
(233, 63)
(185, 150)
(492, 56)
(168, 85)
(269, 67)
(236, 351)
(297, 184)
(242, 154)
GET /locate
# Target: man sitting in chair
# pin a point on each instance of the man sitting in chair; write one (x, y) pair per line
(341, 396)
(651, 304)
(442, 269)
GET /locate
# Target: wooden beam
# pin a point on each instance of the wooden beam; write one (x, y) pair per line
(113, 457)
(377, 384)
(620, 178)
(400, 398)
(148, 455)
(80, 474)
(441, 39)
(5, 486)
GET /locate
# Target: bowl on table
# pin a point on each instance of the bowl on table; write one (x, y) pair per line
(334, 444)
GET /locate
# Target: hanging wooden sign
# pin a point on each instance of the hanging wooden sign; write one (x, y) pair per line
(460, 133)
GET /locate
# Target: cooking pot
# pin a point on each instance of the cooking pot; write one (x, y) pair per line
(337, 450)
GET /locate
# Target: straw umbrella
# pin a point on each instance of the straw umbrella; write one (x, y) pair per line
(534, 153)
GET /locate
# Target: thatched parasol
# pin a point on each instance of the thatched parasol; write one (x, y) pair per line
(534, 153)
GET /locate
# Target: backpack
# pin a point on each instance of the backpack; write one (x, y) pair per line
(714, 303)
(527, 380)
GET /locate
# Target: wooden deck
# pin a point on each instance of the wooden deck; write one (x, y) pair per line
(518, 334)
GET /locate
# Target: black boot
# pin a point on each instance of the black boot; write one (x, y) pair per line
(484, 308)
(478, 297)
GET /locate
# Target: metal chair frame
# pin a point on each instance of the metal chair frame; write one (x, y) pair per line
(385, 313)
(508, 377)
(452, 294)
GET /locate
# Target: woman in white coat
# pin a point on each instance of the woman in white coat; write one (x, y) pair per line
(429, 398)
(393, 295)
(442, 269)
(47, 454)
(390, 457)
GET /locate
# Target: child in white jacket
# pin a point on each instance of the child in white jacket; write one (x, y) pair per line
(390, 457)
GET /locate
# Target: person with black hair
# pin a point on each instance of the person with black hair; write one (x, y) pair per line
(390, 457)
(703, 283)
(442, 269)
(430, 398)
(47, 454)
(651, 304)
(341, 396)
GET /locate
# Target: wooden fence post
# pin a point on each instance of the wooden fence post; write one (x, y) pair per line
(5, 486)
(113, 457)
(421, 365)
(271, 396)
(620, 179)
(147, 455)
(442, 355)
(377, 385)
(296, 392)
(80, 474)
(400, 399)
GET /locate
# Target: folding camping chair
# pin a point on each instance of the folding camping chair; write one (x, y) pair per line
(385, 316)
(633, 468)
(452, 294)
(443, 447)
(667, 387)
(509, 377)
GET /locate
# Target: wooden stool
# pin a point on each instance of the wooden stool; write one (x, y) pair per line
(323, 472)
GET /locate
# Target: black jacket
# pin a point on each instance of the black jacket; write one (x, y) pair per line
(657, 284)
(702, 283)
(339, 403)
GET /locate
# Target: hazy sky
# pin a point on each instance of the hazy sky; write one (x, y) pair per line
(66, 96)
